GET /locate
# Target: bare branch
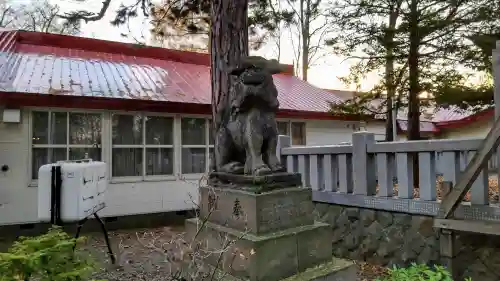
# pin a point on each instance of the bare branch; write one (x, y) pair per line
(4, 22)
(88, 16)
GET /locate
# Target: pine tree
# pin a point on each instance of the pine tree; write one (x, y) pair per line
(373, 26)
(432, 40)
(229, 24)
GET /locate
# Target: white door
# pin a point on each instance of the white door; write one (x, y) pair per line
(7, 173)
(16, 200)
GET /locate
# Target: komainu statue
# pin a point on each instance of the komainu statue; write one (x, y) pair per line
(245, 141)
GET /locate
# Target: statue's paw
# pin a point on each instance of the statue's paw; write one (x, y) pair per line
(233, 168)
(262, 170)
(277, 168)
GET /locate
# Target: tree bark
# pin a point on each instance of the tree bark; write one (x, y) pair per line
(414, 91)
(389, 76)
(389, 134)
(389, 69)
(228, 45)
(305, 18)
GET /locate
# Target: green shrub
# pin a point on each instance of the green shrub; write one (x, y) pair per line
(48, 257)
(419, 272)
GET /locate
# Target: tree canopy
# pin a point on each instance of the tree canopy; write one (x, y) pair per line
(174, 19)
(40, 16)
(186, 16)
(427, 46)
(451, 41)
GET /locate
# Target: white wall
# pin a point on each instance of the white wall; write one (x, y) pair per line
(150, 197)
(378, 128)
(18, 193)
(325, 132)
(476, 130)
(17, 200)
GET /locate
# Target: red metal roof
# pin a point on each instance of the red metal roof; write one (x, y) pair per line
(51, 64)
(471, 117)
(450, 114)
(441, 118)
(425, 126)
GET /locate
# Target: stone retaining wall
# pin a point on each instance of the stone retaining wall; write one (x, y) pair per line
(390, 238)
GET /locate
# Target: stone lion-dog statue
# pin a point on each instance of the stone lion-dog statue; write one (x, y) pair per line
(246, 141)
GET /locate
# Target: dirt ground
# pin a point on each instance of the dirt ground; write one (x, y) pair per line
(141, 254)
(144, 254)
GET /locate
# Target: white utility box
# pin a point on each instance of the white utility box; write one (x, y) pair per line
(11, 116)
(74, 190)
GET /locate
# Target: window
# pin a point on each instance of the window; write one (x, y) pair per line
(298, 133)
(60, 136)
(283, 128)
(298, 130)
(142, 145)
(197, 144)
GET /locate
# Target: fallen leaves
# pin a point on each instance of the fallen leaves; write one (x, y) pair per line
(493, 191)
(370, 272)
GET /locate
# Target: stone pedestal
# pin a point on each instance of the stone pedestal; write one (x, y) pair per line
(274, 232)
(257, 214)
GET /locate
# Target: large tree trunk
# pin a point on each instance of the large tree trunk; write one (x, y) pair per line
(389, 122)
(389, 81)
(305, 18)
(413, 100)
(389, 70)
(228, 44)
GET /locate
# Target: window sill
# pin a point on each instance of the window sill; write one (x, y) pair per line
(193, 177)
(117, 180)
(160, 178)
(142, 179)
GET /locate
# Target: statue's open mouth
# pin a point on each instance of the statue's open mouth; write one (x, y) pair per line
(253, 79)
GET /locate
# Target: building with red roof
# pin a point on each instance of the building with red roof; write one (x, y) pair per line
(447, 123)
(143, 110)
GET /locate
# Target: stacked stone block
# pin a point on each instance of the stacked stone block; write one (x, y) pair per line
(274, 233)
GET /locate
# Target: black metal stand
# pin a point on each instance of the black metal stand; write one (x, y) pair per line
(104, 231)
(55, 210)
(55, 196)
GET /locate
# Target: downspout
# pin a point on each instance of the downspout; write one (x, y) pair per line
(394, 119)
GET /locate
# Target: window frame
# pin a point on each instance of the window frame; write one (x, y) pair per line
(287, 126)
(107, 143)
(289, 129)
(49, 111)
(143, 146)
(207, 145)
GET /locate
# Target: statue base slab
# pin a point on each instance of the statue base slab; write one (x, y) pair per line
(257, 184)
(264, 236)
(254, 213)
(334, 269)
(267, 257)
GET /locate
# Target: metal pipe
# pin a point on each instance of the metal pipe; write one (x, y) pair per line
(394, 119)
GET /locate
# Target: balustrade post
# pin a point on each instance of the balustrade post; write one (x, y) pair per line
(496, 93)
(447, 239)
(363, 164)
(283, 142)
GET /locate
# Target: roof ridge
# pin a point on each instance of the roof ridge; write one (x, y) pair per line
(113, 47)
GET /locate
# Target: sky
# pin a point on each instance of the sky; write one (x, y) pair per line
(323, 74)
